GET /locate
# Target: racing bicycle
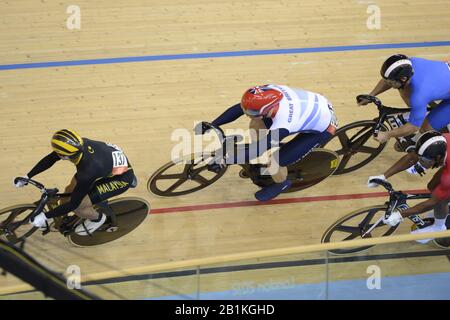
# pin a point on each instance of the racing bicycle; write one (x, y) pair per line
(199, 170)
(123, 216)
(367, 222)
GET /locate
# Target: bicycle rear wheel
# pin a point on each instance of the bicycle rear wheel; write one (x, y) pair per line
(355, 146)
(14, 225)
(354, 225)
(314, 168)
(130, 213)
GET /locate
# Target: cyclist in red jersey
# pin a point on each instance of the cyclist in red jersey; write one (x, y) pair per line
(431, 150)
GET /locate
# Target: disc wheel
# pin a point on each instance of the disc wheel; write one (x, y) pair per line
(314, 168)
(355, 146)
(130, 213)
(354, 225)
(184, 176)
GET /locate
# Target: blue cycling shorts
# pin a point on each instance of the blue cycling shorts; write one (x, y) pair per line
(297, 148)
(439, 117)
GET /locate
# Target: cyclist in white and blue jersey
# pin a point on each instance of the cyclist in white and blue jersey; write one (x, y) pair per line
(281, 111)
(419, 82)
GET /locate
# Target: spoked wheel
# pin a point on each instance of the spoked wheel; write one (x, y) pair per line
(184, 176)
(130, 213)
(315, 167)
(355, 145)
(354, 225)
(14, 224)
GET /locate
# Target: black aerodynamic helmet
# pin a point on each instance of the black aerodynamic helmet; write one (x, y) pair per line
(432, 146)
(396, 67)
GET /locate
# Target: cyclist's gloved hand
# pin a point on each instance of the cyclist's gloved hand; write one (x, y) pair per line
(371, 184)
(19, 183)
(217, 164)
(394, 219)
(416, 169)
(201, 127)
(361, 101)
(40, 221)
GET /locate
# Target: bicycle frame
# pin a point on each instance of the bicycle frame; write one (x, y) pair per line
(48, 195)
(234, 139)
(390, 116)
(225, 144)
(253, 171)
(398, 200)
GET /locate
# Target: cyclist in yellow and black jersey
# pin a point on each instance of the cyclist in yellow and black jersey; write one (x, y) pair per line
(103, 171)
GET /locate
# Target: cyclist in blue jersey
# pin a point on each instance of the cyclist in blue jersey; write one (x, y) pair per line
(419, 82)
(275, 112)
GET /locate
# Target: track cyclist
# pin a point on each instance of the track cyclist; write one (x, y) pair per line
(419, 82)
(102, 171)
(276, 112)
(431, 151)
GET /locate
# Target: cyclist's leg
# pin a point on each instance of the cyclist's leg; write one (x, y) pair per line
(426, 126)
(70, 187)
(290, 153)
(258, 129)
(440, 216)
(441, 212)
(85, 209)
(110, 187)
(102, 190)
(296, 149)
(279, 174)
(438, 118)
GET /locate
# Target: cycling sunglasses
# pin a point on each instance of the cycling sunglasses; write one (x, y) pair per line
(252, 113)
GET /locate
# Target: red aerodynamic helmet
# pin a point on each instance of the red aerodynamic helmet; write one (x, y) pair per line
(260, 100)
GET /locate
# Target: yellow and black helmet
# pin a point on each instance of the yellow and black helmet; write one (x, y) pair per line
(68, 145)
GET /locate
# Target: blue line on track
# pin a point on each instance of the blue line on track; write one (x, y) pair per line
(223, 54)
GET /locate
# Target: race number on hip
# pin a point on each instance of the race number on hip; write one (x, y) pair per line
(120, 163)
(119, 159)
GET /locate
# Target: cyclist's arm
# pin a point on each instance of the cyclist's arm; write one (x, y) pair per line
(434, 182)
(421, 207)
(81, 190)
(418, 104)
(231, 114)
(405, 130)
(418, 113)
(381, 87)
(46, 162)
(257, 148)
(404, 163)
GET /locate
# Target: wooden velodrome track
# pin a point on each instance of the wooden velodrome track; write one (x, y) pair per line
(137, 105)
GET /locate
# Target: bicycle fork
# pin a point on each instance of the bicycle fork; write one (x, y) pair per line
(415, 219)
(44, 199)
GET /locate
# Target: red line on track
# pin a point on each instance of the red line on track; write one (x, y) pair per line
(239, 204)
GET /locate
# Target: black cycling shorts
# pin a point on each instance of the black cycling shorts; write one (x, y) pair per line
(106, 188)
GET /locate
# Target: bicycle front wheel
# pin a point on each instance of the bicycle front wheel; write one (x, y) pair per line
(184, 176)
(354, 225)
(14, 225)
